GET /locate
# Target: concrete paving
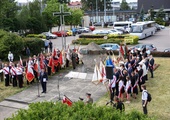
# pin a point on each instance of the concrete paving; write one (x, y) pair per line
(73, 88)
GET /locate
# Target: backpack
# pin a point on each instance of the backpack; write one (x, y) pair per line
(149, 98)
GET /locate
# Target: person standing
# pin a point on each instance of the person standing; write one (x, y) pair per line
(89, 99)
(144, 99)
(6, 73)
(128, 89)
(50, 46)
(43, 79)
(14, 75)
(46, 43)
(112, 87)
(73, 58)
(10, 56)
(28, 51)
(19, 72)
(151, 64)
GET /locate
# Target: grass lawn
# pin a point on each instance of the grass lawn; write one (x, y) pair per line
(159, 87)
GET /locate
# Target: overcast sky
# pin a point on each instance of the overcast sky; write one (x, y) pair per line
(79, 0)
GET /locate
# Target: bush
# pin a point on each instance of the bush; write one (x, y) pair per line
(97, 41)
(78, 111)
(36, 36)
(10, 42)
(35, 45)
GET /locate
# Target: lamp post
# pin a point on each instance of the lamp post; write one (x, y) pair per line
(104, 11)
(91, 5)
(97, 16)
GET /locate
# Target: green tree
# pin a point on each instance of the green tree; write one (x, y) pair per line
(124, 5)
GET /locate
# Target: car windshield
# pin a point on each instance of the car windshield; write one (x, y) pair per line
(136, 29)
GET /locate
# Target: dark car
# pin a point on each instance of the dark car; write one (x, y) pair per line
(150, 47)
(76, 31)
(167, 50)
(97, 24)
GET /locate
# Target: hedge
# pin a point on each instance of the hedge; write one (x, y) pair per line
(35, 45)
(36, 36)
(10, 42)
(78, 111)
(100, 39)
(97, 41)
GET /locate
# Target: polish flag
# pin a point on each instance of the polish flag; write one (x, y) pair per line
(29, 73)
(67, 101)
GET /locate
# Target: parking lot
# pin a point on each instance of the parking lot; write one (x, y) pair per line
(161, 40)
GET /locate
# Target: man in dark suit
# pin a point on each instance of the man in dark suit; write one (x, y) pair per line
(43, 79)
(151, 64)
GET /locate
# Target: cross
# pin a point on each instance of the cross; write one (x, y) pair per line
(62, 14)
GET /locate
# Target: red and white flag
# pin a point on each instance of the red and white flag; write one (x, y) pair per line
(67, 101)
(20, 60)
(29, 73)
(102, 71)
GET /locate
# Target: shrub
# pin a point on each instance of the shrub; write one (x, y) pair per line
(36, 36)
(78, 111)
(35, 45)
(97, 41)
(10, 42)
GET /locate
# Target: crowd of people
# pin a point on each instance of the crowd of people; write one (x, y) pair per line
(130, 76)
(37, 68)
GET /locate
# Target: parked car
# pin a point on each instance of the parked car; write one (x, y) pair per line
(150, 47)
(100, 32)
(69, 32)
(50, 35)
(167, 50)
(76, 31)
(97, 24)
(92, 28)
(60, 33)
(84, 29)
(110, 46)
(114, 31)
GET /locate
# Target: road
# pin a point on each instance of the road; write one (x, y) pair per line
(161, 40)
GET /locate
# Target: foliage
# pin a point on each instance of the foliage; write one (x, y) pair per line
(160, 15)
(79, 111)
(34, 44)
(10, 42)
(36, 36)
(99, 39)
(124, 5)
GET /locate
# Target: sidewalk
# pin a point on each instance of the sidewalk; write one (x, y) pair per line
(73, 88)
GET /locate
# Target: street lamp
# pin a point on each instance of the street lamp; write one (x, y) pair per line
(91, 5)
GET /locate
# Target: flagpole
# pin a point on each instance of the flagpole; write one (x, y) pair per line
(38, 80)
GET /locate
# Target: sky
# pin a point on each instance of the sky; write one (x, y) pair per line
(79, 0)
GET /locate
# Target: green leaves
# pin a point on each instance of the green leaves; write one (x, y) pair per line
(79, 111)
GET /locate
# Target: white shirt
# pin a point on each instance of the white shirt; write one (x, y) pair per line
(10, 56)
(144, 69)
(144, 95)
(13, 71)
(113, 81)
(6, 70)
(128, 84)
(19, 71)
(120, 84)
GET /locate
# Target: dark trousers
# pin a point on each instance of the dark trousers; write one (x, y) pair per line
(7, 80)
(20, 80)
(14, 81)
(44, 86)
(67, 63)
(151, 71)
(112, 92)
(145, 111)
(49, 70)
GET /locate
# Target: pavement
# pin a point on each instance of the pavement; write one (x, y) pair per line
(57, 86)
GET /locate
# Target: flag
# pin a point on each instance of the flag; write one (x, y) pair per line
(97, 77)
(121, 50)
(20, 60)
(61, 58)
(68, 53)
(126, 50)
(42, 64)
(102, 70)
(67, 101)
(29, 73)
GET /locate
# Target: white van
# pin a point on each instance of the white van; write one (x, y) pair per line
(124, 25)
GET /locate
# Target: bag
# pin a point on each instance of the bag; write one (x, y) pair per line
(149, 98)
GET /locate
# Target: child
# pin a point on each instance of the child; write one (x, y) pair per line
(121, 89)
(128, 89)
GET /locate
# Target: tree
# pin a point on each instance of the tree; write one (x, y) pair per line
(124, 5)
